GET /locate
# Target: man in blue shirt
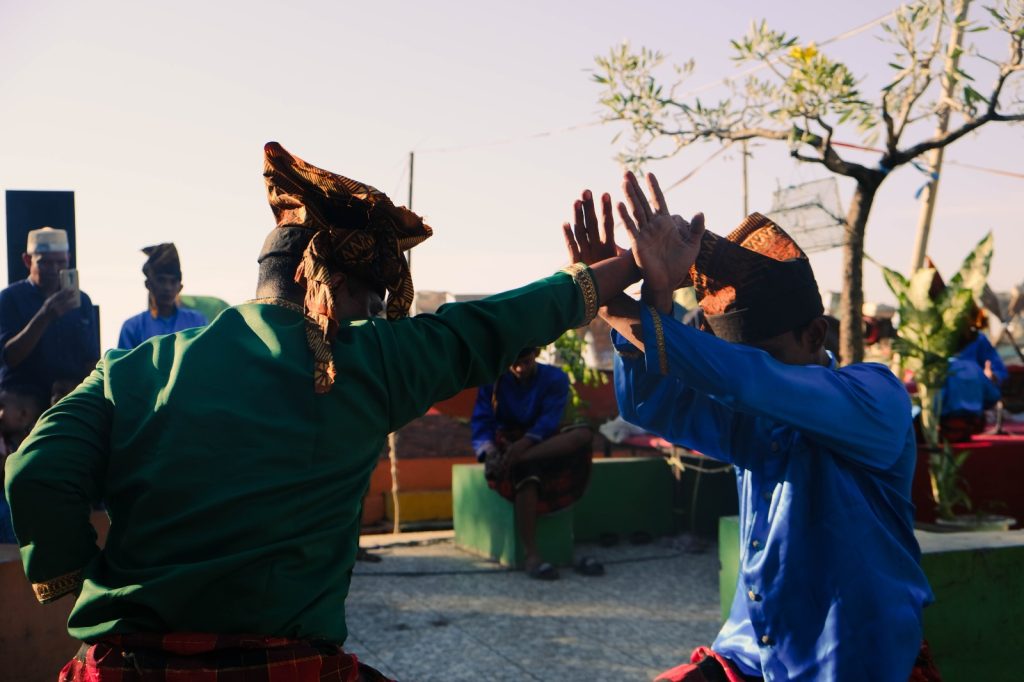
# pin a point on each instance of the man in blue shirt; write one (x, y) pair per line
(830, 585)
(164, 315)
(47, 334)
(528, 458)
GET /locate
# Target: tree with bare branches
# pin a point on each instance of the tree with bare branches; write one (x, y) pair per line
(795, 94)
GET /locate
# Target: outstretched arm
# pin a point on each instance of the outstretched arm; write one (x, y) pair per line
(664, 248)
(431, 357)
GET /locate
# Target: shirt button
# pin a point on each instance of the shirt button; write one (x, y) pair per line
(754, 596)
(755, 544)
(775, 447)
(767, 496)
(766, 640)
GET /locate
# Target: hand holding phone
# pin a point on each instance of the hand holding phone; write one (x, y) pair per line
(69, 282)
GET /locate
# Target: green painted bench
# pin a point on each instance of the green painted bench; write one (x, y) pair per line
(624, 496)
(973, 626)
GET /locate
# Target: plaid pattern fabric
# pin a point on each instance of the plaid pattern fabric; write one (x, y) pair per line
(201, 657)
(562, 480)
(701, 669)
(705, 666)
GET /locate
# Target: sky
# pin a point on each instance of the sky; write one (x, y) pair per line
(155, 114)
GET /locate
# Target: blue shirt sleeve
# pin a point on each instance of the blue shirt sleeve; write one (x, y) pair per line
(983, 351)
(483, 422)
(126, 339)
(553, 399)
(10, 322)
(860, 412)
(665, 406)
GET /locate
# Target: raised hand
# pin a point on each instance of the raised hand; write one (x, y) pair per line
(664, 245)
(584, 242)
(60, 302)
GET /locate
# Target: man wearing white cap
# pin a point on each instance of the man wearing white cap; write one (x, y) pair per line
(46, 333)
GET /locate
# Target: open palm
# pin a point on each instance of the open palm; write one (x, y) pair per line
(664, 245)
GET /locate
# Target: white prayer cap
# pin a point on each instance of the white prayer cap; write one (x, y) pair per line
(47, 240)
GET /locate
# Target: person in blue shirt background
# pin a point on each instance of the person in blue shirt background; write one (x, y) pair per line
(164, 315)
(529, 459)
(46, 333)
(972, 384)
(830, 585)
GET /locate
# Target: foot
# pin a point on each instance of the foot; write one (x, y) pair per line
(365, 555)
(588, 565)
(543, 571)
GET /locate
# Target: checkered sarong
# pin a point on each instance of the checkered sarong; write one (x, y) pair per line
(561, 480)
(201, 657)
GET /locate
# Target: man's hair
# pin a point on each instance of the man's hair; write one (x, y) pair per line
(22, 398)
(278, 272)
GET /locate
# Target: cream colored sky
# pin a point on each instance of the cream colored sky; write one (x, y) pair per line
(155, 115)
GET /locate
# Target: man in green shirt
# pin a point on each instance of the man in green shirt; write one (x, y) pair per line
(233, 459)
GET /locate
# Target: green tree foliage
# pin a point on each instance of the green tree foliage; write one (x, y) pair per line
(794, 93)
(569, 348)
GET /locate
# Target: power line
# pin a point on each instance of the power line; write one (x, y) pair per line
(581, 126)
(763, 65)
(699, 166)
(982, 169)
(509, 140)
(724, 81)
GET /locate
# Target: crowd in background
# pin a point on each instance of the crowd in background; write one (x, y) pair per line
(49, 332)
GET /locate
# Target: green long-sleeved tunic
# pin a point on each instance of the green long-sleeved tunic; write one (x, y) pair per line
(233, 490)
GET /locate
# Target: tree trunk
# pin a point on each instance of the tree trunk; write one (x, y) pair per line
(851, 303)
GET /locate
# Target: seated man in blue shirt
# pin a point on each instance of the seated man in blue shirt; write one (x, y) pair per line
(529, 459)
(830, 585)
(46, 333)
(164, 315)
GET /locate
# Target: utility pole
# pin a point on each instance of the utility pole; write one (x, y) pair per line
(412, 160)
(393, 436)
(924, 223)
(746, 187)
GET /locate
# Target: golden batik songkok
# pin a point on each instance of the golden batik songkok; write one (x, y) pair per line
(755, 283)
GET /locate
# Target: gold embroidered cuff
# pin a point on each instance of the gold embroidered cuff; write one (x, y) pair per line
(49, 590)
(580, 274)
(659, 335)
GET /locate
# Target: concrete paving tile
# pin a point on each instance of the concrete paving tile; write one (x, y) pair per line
(433, 612)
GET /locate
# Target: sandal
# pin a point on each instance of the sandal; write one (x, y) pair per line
(365, 555)
(543, 571)
(588, 565)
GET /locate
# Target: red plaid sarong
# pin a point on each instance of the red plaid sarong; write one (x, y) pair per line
(707, 666)
(203, 657)
(561, 480)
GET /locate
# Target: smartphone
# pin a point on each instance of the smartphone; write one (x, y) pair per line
(69, 280)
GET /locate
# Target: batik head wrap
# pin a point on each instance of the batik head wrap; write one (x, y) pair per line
(357, 231)
(162, 260)
(755, 283)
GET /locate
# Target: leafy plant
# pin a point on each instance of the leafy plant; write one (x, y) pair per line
(795, 94)
(569, 348)
(932, 324)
